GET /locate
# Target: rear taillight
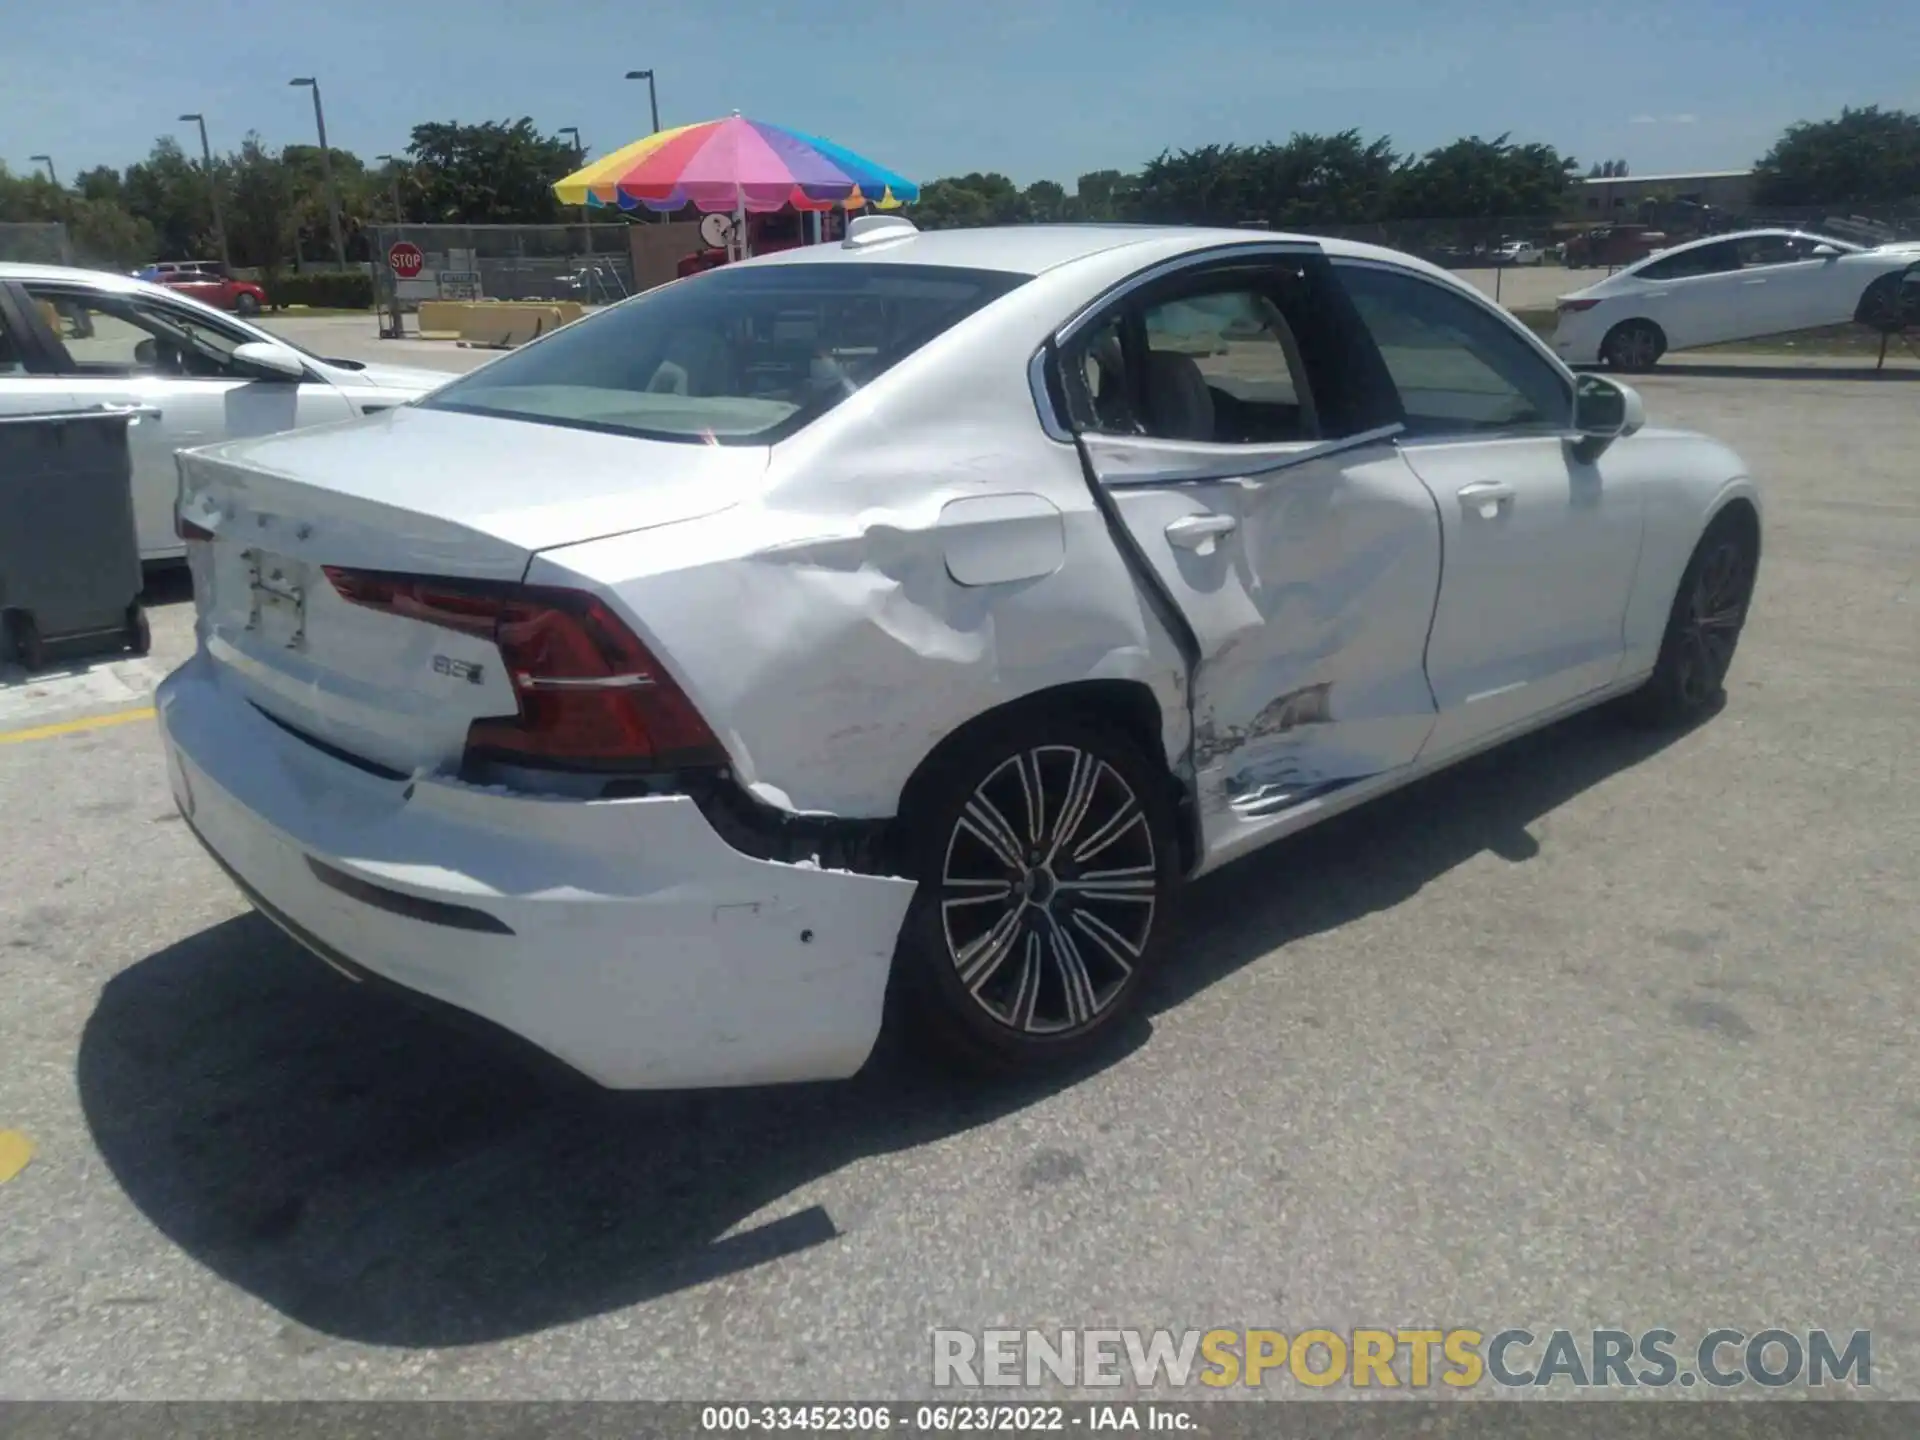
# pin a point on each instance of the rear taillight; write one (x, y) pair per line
(1576, 306)
(592, 697)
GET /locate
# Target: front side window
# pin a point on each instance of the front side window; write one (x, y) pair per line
(1458, 368)
(740, 355)
(127, 335)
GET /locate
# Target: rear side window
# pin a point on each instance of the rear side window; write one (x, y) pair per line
(740, 356)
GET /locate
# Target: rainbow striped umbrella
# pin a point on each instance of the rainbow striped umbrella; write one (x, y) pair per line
(733, 165)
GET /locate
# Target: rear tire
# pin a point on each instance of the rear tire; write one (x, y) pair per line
(246, 305)
(24, 640)
(1634, 346)
(139, 633)
(1703, 628)
(1049, 867)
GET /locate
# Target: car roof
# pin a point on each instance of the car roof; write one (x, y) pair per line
(1741, 235)
(100, 279)
(1035, 249)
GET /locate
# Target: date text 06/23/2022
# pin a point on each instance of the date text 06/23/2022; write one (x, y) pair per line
(946, 1418)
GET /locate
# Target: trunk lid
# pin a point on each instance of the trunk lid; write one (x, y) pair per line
(421, 492)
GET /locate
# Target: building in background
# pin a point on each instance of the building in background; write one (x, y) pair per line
(1601, 199)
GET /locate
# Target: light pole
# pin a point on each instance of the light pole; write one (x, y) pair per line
(653, 96)
(579, 163)
(326, 169)
(46, 160)
(653, 104)
(213, 190)
(393, 170)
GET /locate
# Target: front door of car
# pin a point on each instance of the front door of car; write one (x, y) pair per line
(1540, 547)
(123, 348)
(1801, 290)
(1265, 506)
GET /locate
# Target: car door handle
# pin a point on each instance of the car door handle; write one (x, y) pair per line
(1754, 282)
(1199, 532)
(1485, 498)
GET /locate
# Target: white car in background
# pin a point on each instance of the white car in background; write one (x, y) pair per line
(911, 617)
(1519, 252)
(1728, 287)
(78, 338)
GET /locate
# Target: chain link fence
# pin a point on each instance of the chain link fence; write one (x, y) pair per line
(35, 243)
(588, 263)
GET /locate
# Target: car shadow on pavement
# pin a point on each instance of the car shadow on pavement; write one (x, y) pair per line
(389, 1180)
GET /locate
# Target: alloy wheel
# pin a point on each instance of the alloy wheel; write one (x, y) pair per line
(1716, 609)
(1636, 348)
(1048, 890)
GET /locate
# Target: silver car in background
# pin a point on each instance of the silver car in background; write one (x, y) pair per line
(75, 338)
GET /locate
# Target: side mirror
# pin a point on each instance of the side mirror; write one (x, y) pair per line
(1826, 252)
(1604, 411)
(270, 361)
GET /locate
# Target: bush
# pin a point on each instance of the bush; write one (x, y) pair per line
(324, 289)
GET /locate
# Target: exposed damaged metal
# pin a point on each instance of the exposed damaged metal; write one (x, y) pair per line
(825, 842)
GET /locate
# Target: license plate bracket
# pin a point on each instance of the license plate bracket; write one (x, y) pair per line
(277, 598)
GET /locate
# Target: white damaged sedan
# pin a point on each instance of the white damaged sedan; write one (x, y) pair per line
(909, 618)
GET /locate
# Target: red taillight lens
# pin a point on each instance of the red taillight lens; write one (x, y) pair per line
(592, 697)
(1576, 306)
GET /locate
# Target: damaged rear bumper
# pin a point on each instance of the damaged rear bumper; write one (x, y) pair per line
(623, 936)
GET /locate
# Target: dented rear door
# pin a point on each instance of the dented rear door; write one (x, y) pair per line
(1306, 576)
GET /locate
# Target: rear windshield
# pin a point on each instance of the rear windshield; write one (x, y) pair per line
(738, 356)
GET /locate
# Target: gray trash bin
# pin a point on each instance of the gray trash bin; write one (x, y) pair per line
(70, 577)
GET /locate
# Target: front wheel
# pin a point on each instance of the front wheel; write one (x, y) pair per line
(1880, 308)
(1703, 628)
(1048, 864)
(246, 305)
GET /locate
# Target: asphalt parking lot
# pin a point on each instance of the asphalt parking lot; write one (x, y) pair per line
(1599, 1030)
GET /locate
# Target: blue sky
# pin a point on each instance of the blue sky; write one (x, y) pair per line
(1033, 88)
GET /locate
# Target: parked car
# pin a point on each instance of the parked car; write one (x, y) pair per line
(159, 272)
(214, 286)
(79, 337)
(1519, 252)
(1611, 245)
(893, 627)
(1729, 287)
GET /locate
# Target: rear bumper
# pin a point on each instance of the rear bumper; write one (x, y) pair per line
(623, 937)
(1576, 340)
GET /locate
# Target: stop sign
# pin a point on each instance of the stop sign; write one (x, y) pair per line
(406, 259)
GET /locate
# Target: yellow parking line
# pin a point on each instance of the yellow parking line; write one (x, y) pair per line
(73, 727)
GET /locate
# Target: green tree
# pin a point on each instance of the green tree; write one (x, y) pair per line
(969, 200)
(1046, 201)
(491, 174)
(260, 208)
(1103, 195)
(1867, 154)
(1308, 180)
(1482, 179)
(169, 192)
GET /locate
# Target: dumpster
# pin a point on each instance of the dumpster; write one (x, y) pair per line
(70, 577)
